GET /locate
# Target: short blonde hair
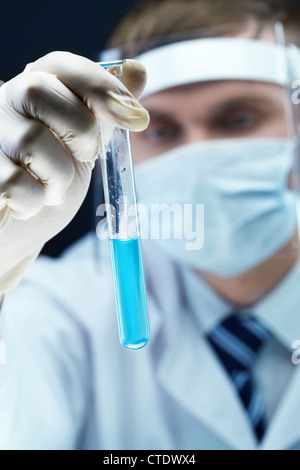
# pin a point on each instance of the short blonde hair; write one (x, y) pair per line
(154, 18)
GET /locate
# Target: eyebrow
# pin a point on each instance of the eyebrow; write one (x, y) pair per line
(258, 101)
(160, 115)
(261, 102)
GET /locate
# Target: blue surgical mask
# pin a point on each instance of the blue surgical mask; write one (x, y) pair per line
(242, 185)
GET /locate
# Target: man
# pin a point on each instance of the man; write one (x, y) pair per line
(219, 138)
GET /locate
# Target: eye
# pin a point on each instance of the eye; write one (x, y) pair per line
(236, 121)
(241, 121)
(161, 132)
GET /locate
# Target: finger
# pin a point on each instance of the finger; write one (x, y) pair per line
(19, 191)
(103, 93)
(42, 96)
(33, 146)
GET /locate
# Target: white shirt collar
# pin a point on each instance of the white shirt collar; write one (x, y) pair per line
(208, 307)
(279, 310)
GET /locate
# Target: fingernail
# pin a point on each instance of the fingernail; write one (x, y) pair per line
(127, 111)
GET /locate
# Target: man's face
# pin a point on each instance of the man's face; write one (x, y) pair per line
(210, 110)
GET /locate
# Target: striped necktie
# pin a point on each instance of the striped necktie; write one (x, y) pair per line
(237, 341)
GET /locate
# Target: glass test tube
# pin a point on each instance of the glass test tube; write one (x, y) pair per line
(123, 231)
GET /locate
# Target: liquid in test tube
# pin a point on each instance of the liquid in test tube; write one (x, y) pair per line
(123, 232)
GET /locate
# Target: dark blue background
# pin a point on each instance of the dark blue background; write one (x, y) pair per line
(30, 29)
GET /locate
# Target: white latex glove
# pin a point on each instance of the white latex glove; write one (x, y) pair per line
(49, 141)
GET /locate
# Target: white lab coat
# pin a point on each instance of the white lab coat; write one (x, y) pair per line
(69, 384)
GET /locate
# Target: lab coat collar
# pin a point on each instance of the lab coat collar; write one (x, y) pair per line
(280, 312)
(186, 366)
(283, 431)
(190, 373)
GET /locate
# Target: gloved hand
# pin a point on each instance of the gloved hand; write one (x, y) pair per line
(49, 141)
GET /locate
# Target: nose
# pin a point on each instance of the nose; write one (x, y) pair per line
(197, 133)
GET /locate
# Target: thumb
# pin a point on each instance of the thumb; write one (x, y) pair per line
(134, 77)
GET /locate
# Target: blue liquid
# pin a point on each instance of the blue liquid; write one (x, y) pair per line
(130, 291)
